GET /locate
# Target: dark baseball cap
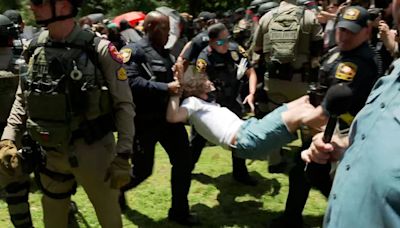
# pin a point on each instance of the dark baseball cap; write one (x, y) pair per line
(354, 18)
(205, 15)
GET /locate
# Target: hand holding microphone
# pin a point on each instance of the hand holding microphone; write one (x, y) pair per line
(337, 101)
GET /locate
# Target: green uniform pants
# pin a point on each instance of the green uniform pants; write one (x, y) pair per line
(93, 161)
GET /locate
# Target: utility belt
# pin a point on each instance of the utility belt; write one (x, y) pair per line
(56, 136)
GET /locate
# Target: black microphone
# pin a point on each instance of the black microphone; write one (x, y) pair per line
(337, 101)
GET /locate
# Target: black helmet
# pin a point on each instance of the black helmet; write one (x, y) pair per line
(54, 17)
(8, 31)
(266, 7)
(258, 2)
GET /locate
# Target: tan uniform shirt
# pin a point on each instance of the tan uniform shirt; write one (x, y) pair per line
(310, 31)
(123, 105)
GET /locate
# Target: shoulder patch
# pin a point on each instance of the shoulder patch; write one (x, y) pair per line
(121, 74)
(201, 65)
(346, 71)
(235, 56)
(114, 53)
(242, 51)
(126, 54)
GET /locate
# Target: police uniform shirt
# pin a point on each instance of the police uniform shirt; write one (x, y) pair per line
(199, 42)
(356, 67)
(211, 61)
(149, 73)
(222, 71)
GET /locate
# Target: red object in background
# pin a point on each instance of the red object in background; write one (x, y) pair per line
(132, 17)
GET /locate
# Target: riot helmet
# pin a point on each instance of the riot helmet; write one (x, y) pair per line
(266, 7)
(75, 3)
(8, 31)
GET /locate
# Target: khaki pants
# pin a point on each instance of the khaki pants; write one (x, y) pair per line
(94, 161)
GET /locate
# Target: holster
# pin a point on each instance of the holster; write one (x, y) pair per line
(93, 130)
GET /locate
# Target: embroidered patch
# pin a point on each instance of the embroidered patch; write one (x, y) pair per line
(351, 14)
(201, 65)
(235, 56)
(114, 53)
(121, 74)
(126, 54)
(346, 71)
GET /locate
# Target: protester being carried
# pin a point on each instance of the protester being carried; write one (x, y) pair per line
(252, 138)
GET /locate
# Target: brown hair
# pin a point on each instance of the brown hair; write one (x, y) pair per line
(193, 82)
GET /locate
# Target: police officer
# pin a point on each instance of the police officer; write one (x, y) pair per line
(16, 187)
(308, 42)
(79, 78)
(225, 63)
(193, 48)
(151, 79)
(352, 63)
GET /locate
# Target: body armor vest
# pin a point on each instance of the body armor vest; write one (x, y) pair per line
(63, 89)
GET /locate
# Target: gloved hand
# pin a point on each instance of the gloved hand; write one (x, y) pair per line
(119, 172)
(241, 68)
(10, 160)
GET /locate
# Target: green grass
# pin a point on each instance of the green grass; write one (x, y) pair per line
(217, 199)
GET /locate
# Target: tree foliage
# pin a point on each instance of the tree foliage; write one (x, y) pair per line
(112, 8)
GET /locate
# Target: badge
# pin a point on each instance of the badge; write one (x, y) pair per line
(114, 53)
(121, 74)
(351, 14)
(235, 56)
(201, 65)
(242, 51)
(126, 54)
(333, 57)
(346, 71)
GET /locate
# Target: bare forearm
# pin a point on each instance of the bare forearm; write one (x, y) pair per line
(252, 80)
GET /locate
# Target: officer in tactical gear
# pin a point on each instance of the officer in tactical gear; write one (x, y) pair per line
(19, 25)
(351, 63)
(16, 187)
(70, 98)
(152, 82)
(226, 63)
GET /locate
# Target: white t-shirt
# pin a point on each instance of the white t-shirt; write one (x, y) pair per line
(216, 124)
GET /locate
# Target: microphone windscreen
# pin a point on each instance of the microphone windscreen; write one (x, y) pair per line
(338, 99)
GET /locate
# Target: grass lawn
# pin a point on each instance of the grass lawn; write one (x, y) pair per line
(218, 200)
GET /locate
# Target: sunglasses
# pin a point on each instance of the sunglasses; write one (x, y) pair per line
(221, 42)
